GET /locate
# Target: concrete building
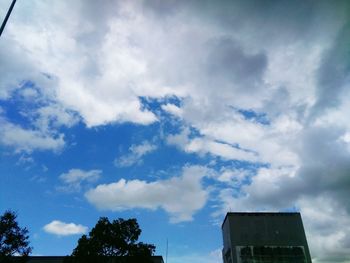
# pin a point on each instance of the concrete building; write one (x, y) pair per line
(264, 238)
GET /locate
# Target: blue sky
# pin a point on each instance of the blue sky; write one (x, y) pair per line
(175, 112)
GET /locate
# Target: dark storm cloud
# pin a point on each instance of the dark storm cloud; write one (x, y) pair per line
(228, 62)
(326, 164)
(325, 171)
(272, 20)
(334, 73)
(97, 16)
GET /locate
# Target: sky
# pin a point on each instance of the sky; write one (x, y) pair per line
(175, 113)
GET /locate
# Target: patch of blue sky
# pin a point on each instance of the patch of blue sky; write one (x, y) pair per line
(156, 103)
(168, 124)
(16, 113)
(30, 196)
(19, 95)
(237, 146)
(252, 115)
(173, 161)
(238, 164)
(194, 133)
(20, 109)
(84, 151)
(16, 109)
(248, 169)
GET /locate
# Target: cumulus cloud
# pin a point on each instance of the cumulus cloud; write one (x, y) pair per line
(204, 146)
(233, 137)
(37, 126)
(172, 109)
(74, 179)
(261, 194)
(60, 228)
(27, 140)
(234, 176)
(42, 133)
(115, 73)
(53, 116)
(318, 188)
(328, 237)
(136, 152)
(179, 196)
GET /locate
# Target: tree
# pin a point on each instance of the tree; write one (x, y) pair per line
(13, 239)
(114, 241)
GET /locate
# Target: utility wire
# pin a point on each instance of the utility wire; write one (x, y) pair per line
(7, 16)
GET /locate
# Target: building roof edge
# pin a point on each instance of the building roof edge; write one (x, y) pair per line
(259, 213)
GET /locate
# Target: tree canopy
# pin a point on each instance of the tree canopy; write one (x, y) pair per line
(13, 239)
(116, 239)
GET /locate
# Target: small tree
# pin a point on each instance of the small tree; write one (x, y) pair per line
(114, 241)
(13, 239)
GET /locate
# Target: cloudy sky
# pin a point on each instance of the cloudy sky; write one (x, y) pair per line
(176, 112)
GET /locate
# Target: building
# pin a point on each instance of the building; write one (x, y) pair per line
(264, 238)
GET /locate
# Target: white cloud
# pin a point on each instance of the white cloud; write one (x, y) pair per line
(226, 151)
(179, 196)
(29, 93)
(136, 152)
(233, 137)
(270, 189)
(43, 131)
(25, 160)
(27, 140)
(59, 228)
(233, 176)
(104, 82)
(54, 116)
(74, 178)
(180, 139)
(204, 146)
(172, 109)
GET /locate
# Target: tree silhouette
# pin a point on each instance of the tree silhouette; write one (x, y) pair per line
(13, 239)
(114, 241)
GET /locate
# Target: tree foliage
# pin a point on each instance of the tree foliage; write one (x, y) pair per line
(116, 239)
(13, 239)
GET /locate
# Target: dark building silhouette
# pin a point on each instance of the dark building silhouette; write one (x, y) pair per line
(264, 238)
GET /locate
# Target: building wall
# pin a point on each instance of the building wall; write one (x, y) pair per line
(263, 233)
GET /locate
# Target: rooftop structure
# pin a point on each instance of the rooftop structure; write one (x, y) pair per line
(264, 238)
